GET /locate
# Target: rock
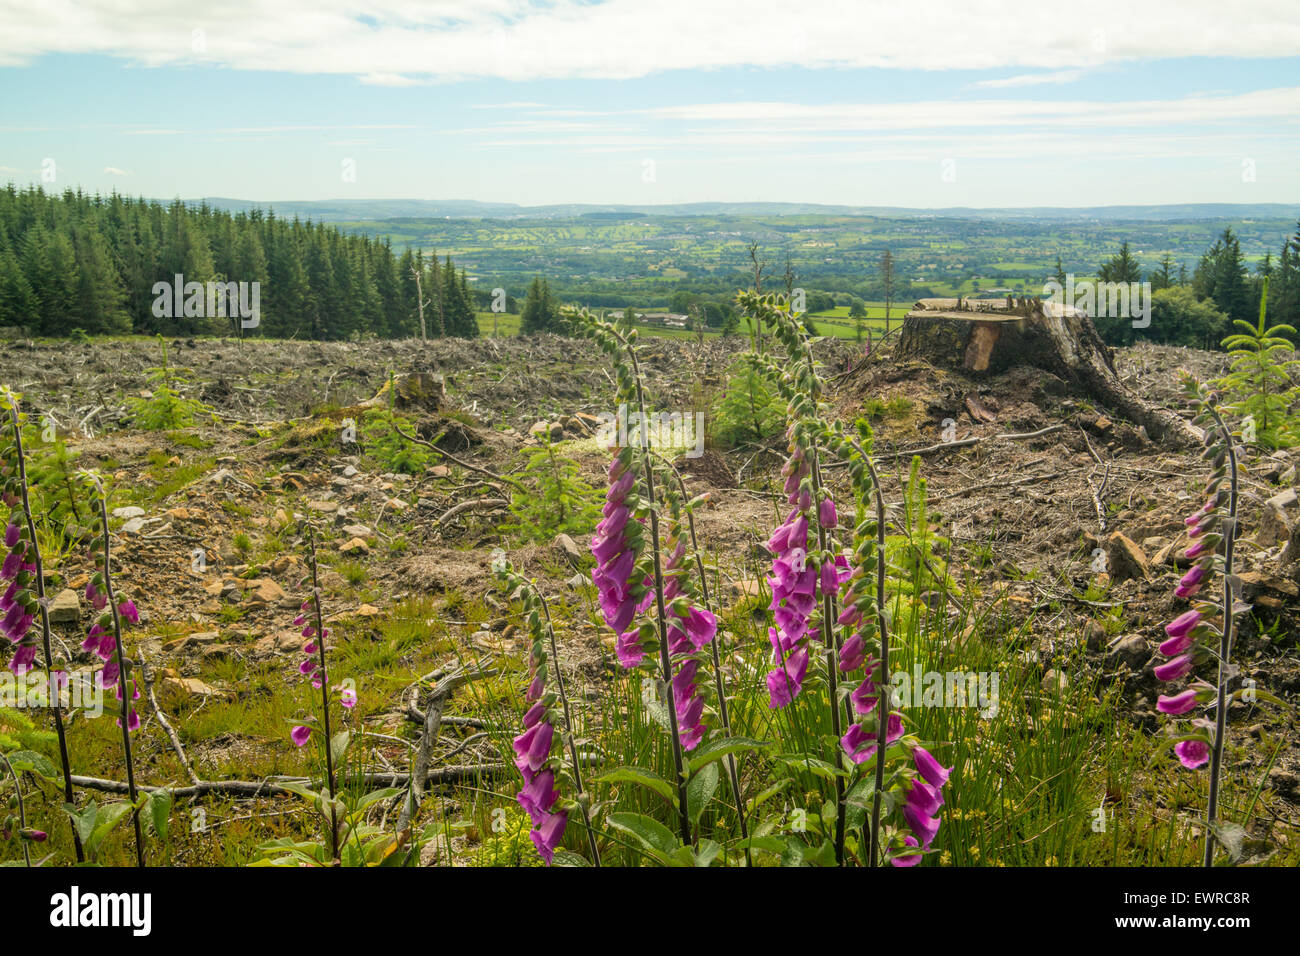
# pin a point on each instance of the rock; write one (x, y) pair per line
(439, 471)
(1094, 636)
(1154, 544)
(1055, 681)
(397, 504)
(1129, 649)
(1283, 781)
(356, 546)
(217, 652)
(553, 431)
(567, 547)
(134, 526)
(266, 591)
(1283, 500)
(576, 581)
(350, 471)
(1126, 559)
(1263, 589)
(322, 506)
(129, 511)
(1273, 527)
(189, 687)
(66, 607)
(356, 531)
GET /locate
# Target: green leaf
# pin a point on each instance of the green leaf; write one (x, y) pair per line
(567, 858)
(157, 808)
(339, 745)
(652, 834)
(641, 777)
(33, 762)
(107, 818)
(720, 747)
(699, 792)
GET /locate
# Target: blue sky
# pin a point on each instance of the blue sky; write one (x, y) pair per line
(977, 104)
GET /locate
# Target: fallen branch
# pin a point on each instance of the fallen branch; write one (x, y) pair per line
(442, 691)
(490, 504)
(416, 439)
(275, 786)
(967, 442)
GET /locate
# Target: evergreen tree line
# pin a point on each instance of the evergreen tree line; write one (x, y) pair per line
(1198, 310)
(75, 261)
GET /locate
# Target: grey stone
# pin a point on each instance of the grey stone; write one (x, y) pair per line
(66, 607)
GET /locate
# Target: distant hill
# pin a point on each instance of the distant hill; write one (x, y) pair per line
(352, 210)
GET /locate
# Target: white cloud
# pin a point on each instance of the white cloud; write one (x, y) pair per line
(1032, 79)
(397, 41)
(114, 171)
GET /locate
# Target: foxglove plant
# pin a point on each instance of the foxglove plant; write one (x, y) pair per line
(811, 582)
(534, 757)
(312, 666)
(1191, 635)
(105, 639)
(23, 575)
(628, 584)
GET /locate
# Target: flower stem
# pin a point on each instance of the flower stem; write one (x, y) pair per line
(324, 695)
(665, 662)
(124, 718)
(45, 630)
(568, 728)
(22, 813)
(831, 642)
(718, 685)
(1225, 643)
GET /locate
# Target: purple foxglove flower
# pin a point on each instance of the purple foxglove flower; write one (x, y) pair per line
(1180, 666)
(629, 650)
(534, 714)
(785, 683)
(1192, 753)
(307, 667)
(923, 825)
(852, 654)
(925, 798)
(1176, 645)
(128, 610)
(538, 796)
(858, 744)
(912, 859)
(1177, 704)
(533, 747)
(23, 659)
(300, 735)
(546, 837)
(864, 697)
(1191, 582)
(1183, 623)
(929, 768)
(1194, 550)
(97, 598)
(830, 579)
(535, 689)
(12, 564)
(348, 697)
(92, 638)
(310, 648)
(300, 620)
(12, 532)
(109, 674)
(826, 514)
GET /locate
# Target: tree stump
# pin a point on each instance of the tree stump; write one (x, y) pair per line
(985, 337)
